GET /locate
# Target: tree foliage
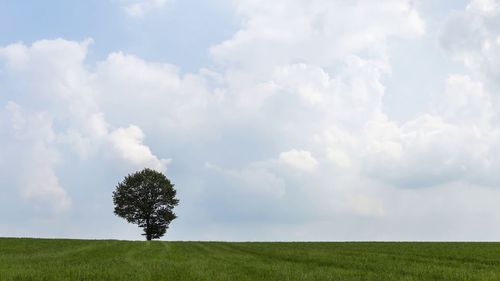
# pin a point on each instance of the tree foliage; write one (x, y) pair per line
(146, 198)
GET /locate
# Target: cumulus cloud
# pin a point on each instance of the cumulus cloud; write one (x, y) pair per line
(146, 91)
(471, 37)
(56, 105)
(299, 98)
(308, 75)
(282, 31)
(128, 142)
(34, 158)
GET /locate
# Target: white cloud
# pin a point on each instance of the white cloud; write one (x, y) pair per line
(486, 7)
(146, 91)
(299, 159)
(469, 36)
(317, 32)
(466, 102)
(34, 158)
(139, 8)
(291, 86)
(58, 98)
(299, 74)
(128, 142)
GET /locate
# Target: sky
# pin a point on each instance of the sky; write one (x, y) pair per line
(284, 120)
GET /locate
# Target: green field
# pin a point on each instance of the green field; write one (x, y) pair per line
(40, 259)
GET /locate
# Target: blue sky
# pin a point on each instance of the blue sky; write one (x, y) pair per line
(164, 35)
(276, 120)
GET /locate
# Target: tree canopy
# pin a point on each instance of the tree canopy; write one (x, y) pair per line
(146, 198)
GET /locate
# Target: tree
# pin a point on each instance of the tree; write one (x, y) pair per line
(146, 198)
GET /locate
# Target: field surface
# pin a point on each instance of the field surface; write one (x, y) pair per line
(51, 260)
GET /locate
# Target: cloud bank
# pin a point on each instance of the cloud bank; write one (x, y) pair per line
(283, 137)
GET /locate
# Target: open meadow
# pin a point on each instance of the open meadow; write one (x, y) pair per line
(51, 260)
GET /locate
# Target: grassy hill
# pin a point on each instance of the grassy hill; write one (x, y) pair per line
(40, 259)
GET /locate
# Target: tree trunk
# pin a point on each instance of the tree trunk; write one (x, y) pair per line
(148, 230)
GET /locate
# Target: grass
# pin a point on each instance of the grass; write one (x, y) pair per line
(51, 260)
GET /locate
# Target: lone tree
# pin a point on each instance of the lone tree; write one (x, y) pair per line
(146, 198)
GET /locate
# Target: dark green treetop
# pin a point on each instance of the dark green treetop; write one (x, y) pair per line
(146, 198)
